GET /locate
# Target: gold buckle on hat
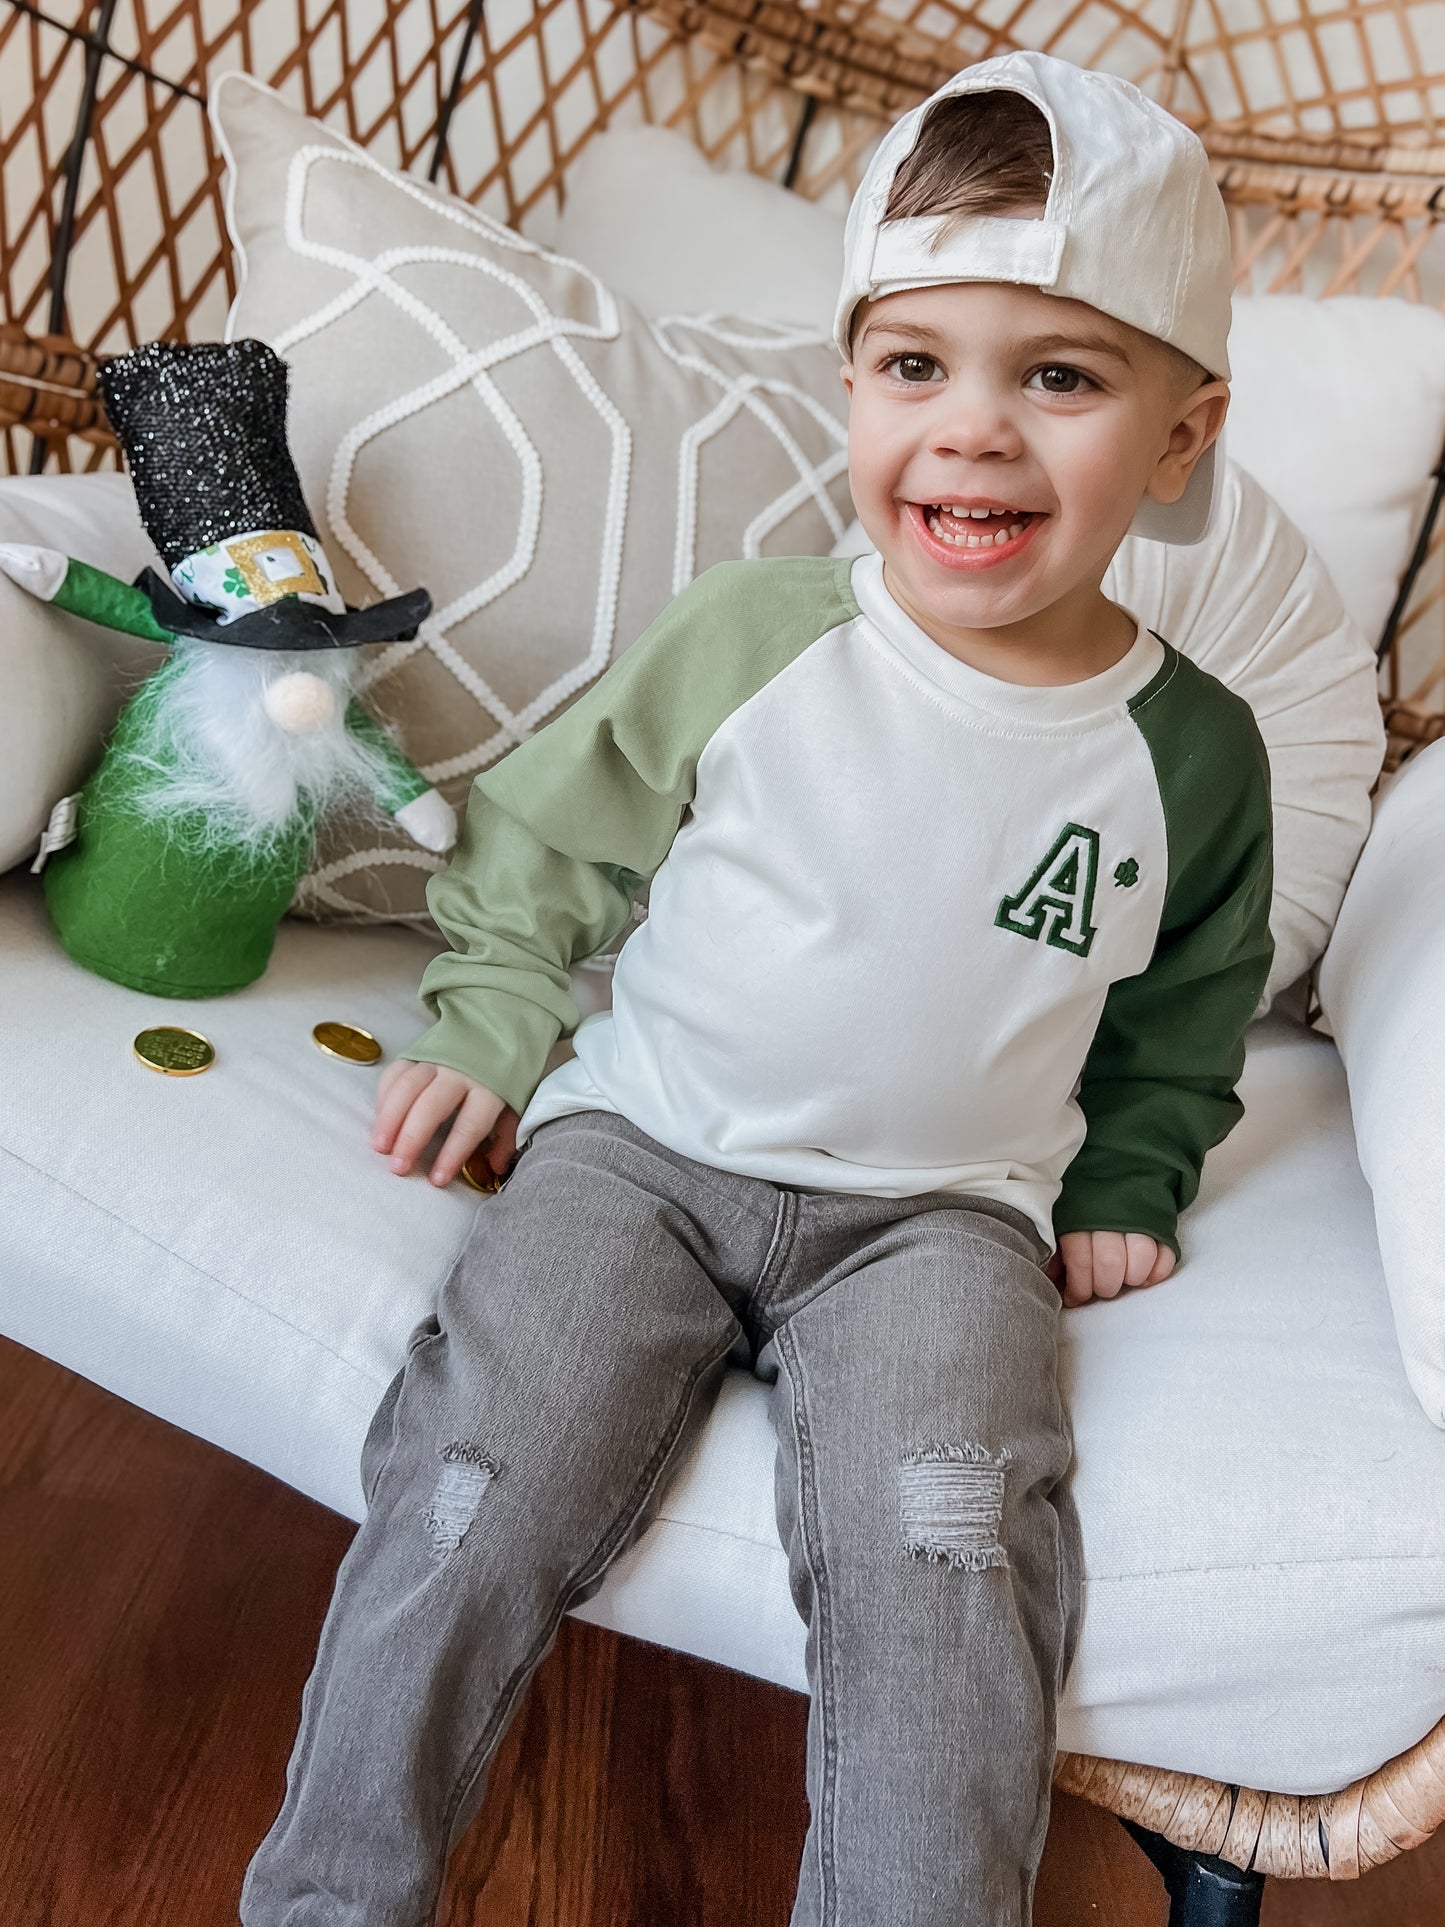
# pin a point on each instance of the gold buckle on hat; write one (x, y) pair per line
(247, 554)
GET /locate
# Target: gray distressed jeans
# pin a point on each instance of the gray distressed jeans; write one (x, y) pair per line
(921, 1491)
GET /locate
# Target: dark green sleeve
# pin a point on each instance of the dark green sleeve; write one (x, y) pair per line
(1158, 1085)
(561, 832)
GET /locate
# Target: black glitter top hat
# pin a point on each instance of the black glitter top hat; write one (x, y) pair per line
(203, 428)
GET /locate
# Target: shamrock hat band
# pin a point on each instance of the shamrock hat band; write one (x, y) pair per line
(273, 589)
(289, 622)
(243, 573)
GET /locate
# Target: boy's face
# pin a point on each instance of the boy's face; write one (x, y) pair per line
(1054, 418)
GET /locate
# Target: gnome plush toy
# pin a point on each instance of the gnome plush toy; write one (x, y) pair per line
(172, 867)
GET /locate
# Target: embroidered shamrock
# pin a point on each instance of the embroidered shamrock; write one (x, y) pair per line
(1126, 873)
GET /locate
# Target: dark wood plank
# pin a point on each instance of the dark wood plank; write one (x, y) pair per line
(160, 1604)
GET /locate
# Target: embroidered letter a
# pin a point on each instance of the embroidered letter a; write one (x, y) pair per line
(1057, 902)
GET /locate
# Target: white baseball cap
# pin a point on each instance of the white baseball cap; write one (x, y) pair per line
(1133, 225)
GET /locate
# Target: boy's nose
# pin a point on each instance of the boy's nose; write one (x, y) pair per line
(978, 426)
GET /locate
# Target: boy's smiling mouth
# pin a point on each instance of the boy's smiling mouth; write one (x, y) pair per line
(972, 534)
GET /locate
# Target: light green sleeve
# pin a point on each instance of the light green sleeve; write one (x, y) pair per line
(1158, 1085)
(400, 781)
(563, 830)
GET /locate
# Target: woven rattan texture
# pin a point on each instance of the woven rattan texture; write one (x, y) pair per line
(1336, 1836)
(1326, 119)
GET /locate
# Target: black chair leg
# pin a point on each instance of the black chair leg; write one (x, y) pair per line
(1203, 1890)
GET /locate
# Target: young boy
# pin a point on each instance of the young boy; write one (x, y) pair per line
(960, 882)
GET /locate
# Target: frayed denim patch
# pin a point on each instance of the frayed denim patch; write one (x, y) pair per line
(466, 1473)
(952, 1504)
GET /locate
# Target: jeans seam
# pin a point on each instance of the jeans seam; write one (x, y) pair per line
(785, 1219)
(826, 1815)
(515, 1685)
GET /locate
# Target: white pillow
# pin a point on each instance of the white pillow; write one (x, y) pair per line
(1338, 407)
(658, 223)
(61, 681)
(1252, 604)
(1380, 990)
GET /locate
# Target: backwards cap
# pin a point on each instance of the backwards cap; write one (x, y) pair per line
(1133, 225)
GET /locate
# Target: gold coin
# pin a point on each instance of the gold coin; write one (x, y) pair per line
(177, 1052)
(347, 1041)
(479, 1174)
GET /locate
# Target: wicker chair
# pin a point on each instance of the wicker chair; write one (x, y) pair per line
(1322, 148)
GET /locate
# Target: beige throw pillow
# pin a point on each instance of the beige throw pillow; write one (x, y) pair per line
(474, 414)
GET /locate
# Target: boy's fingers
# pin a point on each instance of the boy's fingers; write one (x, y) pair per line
(428, 1109)
(1077, 1254)
(502, 1145)
(401, 1081)
(390, 1073)
(473, 1121)
(1140, 1252)
(1108, 1263)
(1164, 1264)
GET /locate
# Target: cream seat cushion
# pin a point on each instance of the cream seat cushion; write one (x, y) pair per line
(1260, 1492)
(1380, 989)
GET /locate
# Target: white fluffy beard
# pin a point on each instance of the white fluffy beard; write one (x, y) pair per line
(213, 754)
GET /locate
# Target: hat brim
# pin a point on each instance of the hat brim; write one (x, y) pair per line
(288, 623)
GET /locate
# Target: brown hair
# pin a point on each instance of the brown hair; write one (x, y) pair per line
(976, 154)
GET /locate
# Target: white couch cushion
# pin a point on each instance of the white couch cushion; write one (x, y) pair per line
(1380, 985)
(1264, 1542)
(61, 681)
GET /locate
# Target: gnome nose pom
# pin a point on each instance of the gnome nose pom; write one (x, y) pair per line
(299, 702)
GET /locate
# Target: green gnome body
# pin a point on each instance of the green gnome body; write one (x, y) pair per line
(172, 867)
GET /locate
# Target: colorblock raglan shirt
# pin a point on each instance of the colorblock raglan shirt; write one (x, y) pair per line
(910, 927)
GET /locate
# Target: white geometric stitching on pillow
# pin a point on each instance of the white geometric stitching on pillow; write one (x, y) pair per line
(681, 339)
(466, 366)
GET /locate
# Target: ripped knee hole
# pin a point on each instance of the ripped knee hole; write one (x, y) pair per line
(466, 1473)
(951, 1498)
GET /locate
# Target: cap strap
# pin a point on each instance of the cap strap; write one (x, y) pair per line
(985, 248)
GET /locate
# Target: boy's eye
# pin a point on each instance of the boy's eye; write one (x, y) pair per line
(912, 368)
(1056, 378)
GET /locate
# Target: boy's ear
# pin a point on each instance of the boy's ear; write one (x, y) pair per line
(845, 375)
(1195, 428)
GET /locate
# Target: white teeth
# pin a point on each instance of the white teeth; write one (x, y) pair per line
(960, 540)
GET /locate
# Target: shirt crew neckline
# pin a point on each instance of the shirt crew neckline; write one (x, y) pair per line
(1027, 703)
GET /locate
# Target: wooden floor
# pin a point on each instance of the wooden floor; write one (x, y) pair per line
(159, 1608)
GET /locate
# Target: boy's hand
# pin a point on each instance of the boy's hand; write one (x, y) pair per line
(1098, 1264)
(413, 1100)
